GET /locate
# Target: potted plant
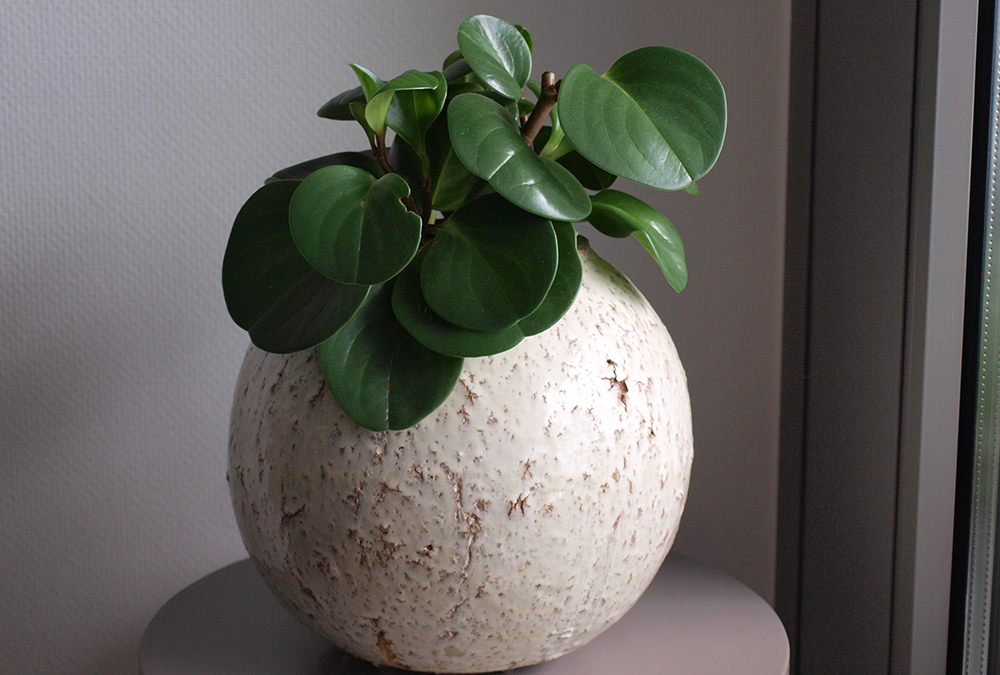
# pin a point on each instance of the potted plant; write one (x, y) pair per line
(461, 441)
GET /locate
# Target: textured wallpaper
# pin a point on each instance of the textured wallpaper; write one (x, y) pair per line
(131, 133)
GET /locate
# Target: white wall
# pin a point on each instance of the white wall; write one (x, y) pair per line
(131, 133)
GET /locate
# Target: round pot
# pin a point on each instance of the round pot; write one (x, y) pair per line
(520, 520)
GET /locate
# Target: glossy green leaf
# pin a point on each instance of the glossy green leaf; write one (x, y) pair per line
(441, 336)
(404, 160)
(455, 66)
(435, 333)
(488, 141)
(451, 183)
(526, 35)
(379, 374)
(370, 82)
(490, 265)
(377, 109)
(412, 112)
(362, 160)
(658, 116)
(352, 227)
(456, 88)
(270, 289)
(497, 53)
(590, 176)
(358, 113)
(565, 286)
(338, 107)
(617, 214)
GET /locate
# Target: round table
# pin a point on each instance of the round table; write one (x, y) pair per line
(691, 620)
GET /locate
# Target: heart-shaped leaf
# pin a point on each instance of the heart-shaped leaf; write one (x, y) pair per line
(435, 333)
(352, 227)
(441, 336)
(565, 286)
(617, 214)
(270, 289)
(379, 374)
(658, 116)
(497, 53)
(488, 142)
(362, 160)
(490, 265)
(378, 105)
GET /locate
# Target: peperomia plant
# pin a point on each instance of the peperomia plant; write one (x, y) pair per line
(456, 239)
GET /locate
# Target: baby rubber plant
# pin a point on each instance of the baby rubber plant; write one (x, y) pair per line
(454, 238)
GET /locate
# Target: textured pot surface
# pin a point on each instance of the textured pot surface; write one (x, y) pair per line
(521, 519)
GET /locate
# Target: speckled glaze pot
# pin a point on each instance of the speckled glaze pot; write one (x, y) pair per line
(520, 520)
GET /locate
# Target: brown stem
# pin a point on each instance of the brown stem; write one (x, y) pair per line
(382, 156)
(426, 215)
(380, 153)
(549, 95)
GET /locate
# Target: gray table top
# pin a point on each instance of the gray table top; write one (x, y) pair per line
(691, 620)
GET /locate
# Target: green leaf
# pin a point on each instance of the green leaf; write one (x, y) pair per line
(456, 88)
(455, 66)
(378, 105)
(565, 286)
(379, 374)
(497, 53)
(352, 227)
(435, 333)
(338, 107)
(617, 214)
(490, 265)
(412, 112)
(405, 161)
(505, 103)
(590, 176)
(487, 140)
(358, 113)
(362, 160)
(270, 289)
(370, 82)
(451, 183)
(658, 116)
(526, 35)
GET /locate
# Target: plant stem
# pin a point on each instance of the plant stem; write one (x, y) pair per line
(426, 215)
(382, 156)
(380, 152)
(550, 93)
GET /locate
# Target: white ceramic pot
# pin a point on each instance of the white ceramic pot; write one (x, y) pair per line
(520, 520)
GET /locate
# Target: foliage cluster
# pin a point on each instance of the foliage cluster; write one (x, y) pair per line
(456, 239)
